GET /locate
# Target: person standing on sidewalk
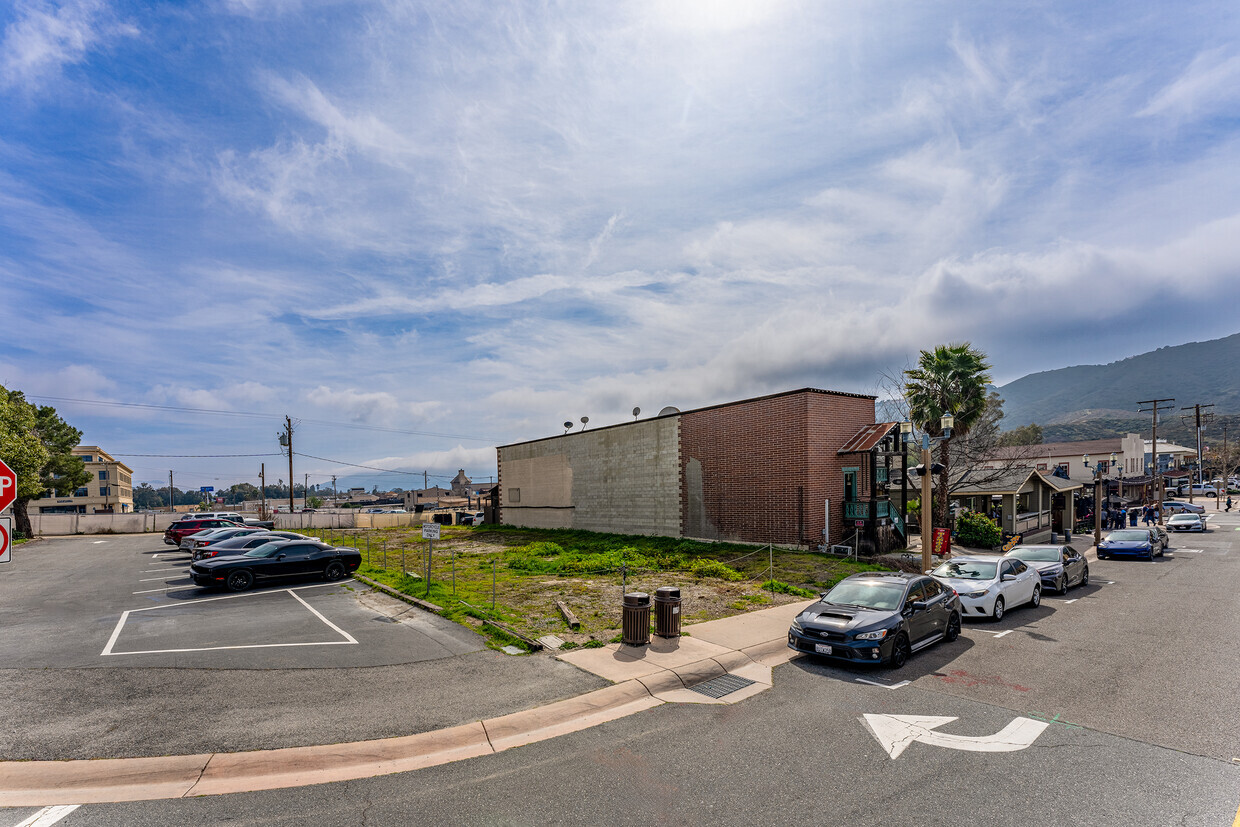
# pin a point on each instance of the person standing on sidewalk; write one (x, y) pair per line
(1228, 508)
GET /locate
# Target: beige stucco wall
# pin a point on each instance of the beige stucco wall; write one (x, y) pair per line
(624, 480)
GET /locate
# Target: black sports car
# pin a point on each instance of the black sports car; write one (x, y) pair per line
(240, 545)
(277, 560)
(878, 617)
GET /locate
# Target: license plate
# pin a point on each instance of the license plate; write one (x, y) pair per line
(822, 648)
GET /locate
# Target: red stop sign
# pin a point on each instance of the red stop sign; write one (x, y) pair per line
(8, 486)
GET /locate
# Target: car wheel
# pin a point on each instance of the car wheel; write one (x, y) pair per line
(1085, 577)
(239, 581)
(1062, 585)
(1036, 600)
(953, 627)
(899, 652)
(996, 613)
(334, 571)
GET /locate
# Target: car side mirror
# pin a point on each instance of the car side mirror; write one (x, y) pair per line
(280, 556)
(919, 605)
(1008, 578)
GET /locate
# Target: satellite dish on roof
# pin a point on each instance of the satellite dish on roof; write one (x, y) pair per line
(636, 411)
(568, 426)
(670, 409)
(584, 420)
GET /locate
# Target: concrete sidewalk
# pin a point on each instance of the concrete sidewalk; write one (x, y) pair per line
(746, 646)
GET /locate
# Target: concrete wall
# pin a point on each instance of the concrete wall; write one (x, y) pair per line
(622, 479)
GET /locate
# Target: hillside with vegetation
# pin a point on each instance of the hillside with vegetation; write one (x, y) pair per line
(1091, 401)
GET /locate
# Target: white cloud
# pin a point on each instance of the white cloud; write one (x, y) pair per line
(1210, 84)
(47, 36)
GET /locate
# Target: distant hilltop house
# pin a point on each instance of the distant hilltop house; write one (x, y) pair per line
(796, 468)
(110, 490)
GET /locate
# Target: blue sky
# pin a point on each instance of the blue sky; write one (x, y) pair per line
(466, 223)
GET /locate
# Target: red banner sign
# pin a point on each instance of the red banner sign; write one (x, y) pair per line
(942, 543)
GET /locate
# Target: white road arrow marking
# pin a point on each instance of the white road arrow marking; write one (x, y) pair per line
(49, 815)
(896, 732)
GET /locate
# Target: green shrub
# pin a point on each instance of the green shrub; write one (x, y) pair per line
(977, 530)
(713, 568)
(786, 588)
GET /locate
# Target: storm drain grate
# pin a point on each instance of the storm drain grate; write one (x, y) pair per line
(722, 685)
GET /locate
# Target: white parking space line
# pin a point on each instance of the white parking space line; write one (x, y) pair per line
(153, 579)
(49, 815)
(1073, 600)
(97, 542)
(319, 615)
(1001, 634)
(152, 571)
(1186, 550)
(120, 624)
(883, 685)
(166, 589)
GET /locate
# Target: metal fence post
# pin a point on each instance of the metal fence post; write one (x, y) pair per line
(492, 585)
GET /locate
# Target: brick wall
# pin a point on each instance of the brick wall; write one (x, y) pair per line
(760, 470)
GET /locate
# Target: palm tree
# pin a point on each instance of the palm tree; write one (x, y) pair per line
(951, 379)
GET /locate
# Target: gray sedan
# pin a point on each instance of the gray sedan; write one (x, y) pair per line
(1060, 567)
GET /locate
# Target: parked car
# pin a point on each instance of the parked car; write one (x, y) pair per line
(1186, 522)
(1141, 542)
(178, 531)
(213, 535)
(240, 545)
(1177, 507)
(1199, 490)
(254, 522)
(213, 515)
(1060, 567)
(477, 518)
(277, 560)
(881, 617)
(988, 586)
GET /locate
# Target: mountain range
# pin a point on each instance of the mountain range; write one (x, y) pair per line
(1091, 401)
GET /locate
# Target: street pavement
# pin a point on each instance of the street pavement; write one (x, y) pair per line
(1131, 683)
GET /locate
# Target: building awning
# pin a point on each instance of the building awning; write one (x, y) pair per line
(865, 439)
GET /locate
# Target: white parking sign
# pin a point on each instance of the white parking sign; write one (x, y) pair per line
(430, 531)
(6, 539)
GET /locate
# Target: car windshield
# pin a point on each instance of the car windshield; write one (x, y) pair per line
(868, 594)
(1035, 554)
(1129, 536)
(966, 570)
(265, 550)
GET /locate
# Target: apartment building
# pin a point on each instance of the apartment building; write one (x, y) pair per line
(109, 491)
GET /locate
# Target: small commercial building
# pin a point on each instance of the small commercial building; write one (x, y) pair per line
(768, 469)
(109, 491)
(1022, 501)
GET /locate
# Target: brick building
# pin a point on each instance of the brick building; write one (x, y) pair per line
(768, 469)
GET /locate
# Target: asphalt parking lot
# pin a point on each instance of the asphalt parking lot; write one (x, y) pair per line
(108, 647)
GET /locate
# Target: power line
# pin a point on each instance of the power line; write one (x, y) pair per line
(198, 456)
(253, 414)
(369, 467)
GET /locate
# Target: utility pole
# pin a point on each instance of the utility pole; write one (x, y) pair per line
(286, 440)
(1154, 454)
(305, 490)
(425, 481)
(171, 503)
(262, 487)
(1200, 459)
(334, 496)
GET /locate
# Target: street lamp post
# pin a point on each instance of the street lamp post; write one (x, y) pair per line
(1097, 469)
(927, 521)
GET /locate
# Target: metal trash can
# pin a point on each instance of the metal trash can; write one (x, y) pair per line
(667, 611)
(635, 620)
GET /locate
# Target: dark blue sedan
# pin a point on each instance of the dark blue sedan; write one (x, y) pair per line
(1131, 542)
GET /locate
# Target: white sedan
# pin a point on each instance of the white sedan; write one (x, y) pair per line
(1186, 522)
(988, 586)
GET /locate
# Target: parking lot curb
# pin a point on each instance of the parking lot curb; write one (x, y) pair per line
(112, 780)
(399, 595)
